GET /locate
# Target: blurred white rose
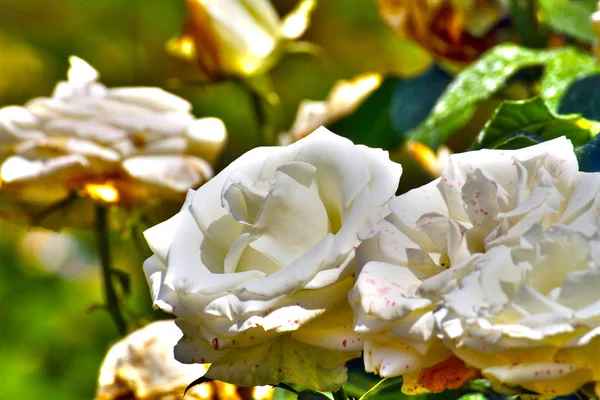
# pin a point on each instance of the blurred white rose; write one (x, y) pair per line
(263, 250)
(122, 145)
(238, 38)
(529, 315)
(436, 234)
(57, 252)
(345, 97)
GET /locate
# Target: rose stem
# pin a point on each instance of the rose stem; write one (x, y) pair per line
(259, 104)
(103, 247)
(373, 389)
(524, 15)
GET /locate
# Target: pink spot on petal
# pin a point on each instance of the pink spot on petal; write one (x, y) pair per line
(215, 343)
(383, 291)
(344, 343)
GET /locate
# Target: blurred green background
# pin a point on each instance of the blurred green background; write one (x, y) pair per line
(51, 344)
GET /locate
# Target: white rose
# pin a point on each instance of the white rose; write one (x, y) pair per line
(59, 253)
(528, 316)
(436, 233)
(261, 251)
(121, 145)
(237, 37)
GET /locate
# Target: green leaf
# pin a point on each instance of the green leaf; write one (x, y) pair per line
(515, 122)
(489, 74)
(398, 105)
(518, 142)
(397, 395)
(479, 385)
(286, 387)
(414, 98)
(563, 68)
(283, 394)
(339, 394)
(589, 155)
(474, 84)
(359, 382)
(524, 19)
(311, 395)
(370, 124)
(582, 98)
(569, 17)
(473, 396)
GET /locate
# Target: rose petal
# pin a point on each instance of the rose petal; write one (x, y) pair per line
(281, 360)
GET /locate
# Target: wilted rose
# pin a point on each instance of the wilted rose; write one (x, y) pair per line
(142, 366)
(452, 30)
